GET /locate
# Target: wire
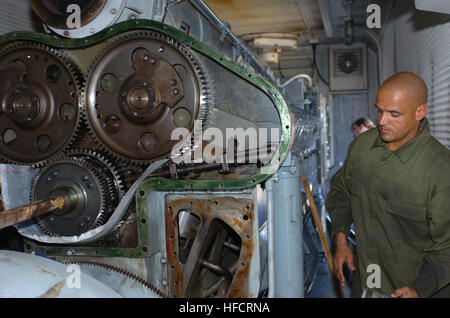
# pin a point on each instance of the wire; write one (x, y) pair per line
(316, 67)
(279, 68)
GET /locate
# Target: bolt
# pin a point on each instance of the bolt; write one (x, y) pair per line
(175, 91)
(55, 173)
(147, 142)
(153, 61)
(163, 260)
(113, 11)
(81, 224)
(84, 178)
(164, 282)
(161, 49)
(51, 219)
(90, 186)
(144, 83)
(146, 57)
(71, 252)
(49, 179)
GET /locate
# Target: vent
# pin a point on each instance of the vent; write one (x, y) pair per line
(348, 68)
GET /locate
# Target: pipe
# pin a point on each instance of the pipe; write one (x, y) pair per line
(270, 243)
(305, 76)
(377, 43)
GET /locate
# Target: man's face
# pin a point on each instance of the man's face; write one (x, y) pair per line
(397, 120)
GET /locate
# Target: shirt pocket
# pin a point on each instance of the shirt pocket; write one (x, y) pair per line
(407, 226)
(407, 211)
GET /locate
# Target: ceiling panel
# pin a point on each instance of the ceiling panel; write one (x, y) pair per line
(266, 16)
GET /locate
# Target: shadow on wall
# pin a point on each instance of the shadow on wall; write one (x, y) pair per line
(419, 19)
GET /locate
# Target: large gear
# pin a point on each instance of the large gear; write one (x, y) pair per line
(40, 96)
(141, 87)
(85, 180)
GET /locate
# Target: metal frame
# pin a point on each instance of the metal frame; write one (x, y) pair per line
(163, 183)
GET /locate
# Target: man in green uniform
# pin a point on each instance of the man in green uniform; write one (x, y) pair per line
(395, 188)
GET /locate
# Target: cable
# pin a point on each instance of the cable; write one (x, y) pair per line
(315, 65)
(279, 69)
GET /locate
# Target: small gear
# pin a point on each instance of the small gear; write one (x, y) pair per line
(85, 189)
(111, 178)
(141, 87)
(40, 97)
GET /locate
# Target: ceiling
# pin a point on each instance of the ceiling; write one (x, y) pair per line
(311, 20)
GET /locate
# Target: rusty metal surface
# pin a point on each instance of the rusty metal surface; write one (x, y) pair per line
(238, 214)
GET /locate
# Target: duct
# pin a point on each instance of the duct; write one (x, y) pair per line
(287, 236)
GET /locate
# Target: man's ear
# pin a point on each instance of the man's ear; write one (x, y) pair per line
(421, 112)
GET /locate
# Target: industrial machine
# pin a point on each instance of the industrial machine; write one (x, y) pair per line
(174, 154)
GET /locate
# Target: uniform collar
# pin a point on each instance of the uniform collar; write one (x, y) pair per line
(406, 151)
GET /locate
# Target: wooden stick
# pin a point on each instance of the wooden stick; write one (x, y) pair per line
(23, 213)
(2, 205)
(322, 236)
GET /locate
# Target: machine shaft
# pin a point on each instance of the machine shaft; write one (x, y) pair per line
(23, 213)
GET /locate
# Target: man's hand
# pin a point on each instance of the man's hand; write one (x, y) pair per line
(405, 292)
(342, 254)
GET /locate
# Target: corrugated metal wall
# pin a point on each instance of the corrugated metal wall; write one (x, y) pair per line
(422, 45)
(16, 15)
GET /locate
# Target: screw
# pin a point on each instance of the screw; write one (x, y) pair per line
(90, 186)
(164, 282)
(85, 178)
(113, 11)
(51, 219)
(161, 49)
(153, 61)
(163, 260)
(146, 57)
(71, 252)
(175, 91)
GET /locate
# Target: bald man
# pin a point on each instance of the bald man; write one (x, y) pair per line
(395, 188)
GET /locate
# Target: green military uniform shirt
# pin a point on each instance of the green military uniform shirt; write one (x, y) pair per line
(399, 204)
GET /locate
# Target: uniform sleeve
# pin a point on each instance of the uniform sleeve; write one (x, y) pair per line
(338, 199)
(435, 272)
